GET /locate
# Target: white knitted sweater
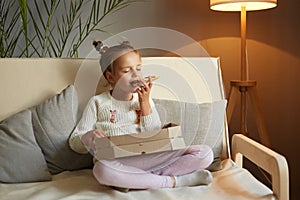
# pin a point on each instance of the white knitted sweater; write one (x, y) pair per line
(114, 118)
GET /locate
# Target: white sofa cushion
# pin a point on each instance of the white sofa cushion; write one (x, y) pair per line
(230, 183)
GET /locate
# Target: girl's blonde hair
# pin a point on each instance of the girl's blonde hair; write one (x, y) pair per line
(109, 55)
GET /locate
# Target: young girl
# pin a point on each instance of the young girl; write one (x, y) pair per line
(128, 108)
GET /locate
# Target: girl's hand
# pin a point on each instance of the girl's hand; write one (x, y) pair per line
(144, 95)
(88, 139)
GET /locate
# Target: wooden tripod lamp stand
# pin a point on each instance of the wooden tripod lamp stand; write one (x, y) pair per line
(244, 86)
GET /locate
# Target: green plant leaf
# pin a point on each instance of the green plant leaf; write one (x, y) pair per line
(52, 33)
(23, 11)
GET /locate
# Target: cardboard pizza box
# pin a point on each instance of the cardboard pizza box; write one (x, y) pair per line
(167, 139)
(168, 131)
(139, 148)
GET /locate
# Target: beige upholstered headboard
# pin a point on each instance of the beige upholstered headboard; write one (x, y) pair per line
(28, 81)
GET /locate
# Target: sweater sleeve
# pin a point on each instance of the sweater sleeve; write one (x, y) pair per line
(86, 123)
(152, 121)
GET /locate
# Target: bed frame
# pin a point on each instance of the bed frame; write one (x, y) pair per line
(28, 82)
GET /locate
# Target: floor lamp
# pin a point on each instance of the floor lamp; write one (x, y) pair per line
(244, 86)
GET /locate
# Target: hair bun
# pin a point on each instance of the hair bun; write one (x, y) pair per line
(127, 43)
(100, 47)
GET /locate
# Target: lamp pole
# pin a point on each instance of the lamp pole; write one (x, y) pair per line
(244, 71)
(244, 67)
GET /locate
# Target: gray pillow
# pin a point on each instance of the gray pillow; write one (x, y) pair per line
(20, 156)
(53, 122)
(200, 123)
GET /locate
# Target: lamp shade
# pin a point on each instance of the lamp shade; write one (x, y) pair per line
(236, 5)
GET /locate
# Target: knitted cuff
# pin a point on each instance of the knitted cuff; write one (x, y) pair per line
(77, 146)
(146, 120)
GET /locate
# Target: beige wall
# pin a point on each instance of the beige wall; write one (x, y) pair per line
(273, 54)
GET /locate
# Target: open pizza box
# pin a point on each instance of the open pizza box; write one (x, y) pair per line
(167, 139)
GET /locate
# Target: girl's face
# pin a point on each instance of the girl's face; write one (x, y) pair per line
(126, 73)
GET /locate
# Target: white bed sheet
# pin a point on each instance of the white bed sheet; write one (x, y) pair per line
(230, 183)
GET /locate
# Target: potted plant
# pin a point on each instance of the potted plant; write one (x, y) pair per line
(36, 28)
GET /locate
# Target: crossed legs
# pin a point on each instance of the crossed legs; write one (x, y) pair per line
(157, 170)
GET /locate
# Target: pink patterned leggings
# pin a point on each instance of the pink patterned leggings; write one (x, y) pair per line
(152, 170)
